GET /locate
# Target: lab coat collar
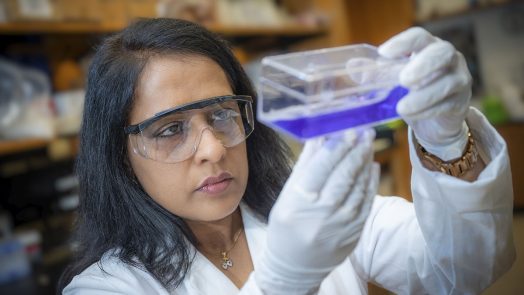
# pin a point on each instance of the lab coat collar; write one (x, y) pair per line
(205, 278)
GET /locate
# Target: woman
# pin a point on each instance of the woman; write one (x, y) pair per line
(178, 181)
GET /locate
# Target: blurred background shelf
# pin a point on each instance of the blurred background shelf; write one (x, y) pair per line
(284, 31)
(57, 148)
(48, 27)
(461, 9)
(8, 147)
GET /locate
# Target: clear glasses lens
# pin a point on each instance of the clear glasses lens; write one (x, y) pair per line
(175, 137)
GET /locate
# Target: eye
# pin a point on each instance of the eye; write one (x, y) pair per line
(224, 115)
(171, 129)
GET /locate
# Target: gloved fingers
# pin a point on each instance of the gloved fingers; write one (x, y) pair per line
(352, 204)
(356, 224)
(310, 148)
(419, 100)
(432, 61)
(451, 105)
(407, 42)
(371, 191)
(314, 174)
(342, 217)
(344, 177)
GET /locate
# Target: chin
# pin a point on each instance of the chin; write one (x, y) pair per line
(216, 213)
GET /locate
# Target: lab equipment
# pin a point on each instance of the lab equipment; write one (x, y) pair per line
(312, 93)
(10, 92)
(25, 103)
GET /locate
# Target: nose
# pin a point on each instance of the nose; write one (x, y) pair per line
(209, 148)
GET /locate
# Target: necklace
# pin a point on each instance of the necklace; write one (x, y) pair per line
(226, 260)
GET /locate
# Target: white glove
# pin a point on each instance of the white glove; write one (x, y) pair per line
(319, 215)
(439, 91)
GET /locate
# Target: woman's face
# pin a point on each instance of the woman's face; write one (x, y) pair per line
(167, 82)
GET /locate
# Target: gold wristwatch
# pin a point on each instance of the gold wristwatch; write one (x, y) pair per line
(456, 167)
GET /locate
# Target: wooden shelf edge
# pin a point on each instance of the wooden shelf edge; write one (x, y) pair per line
(8, 147)
(53, 145)
(288, 30)
(49, 27)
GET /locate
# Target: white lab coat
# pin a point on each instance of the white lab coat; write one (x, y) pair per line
(454, 239)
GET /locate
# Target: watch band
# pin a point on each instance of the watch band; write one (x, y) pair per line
(456, 167)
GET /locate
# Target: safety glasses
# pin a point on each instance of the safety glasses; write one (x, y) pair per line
(173, 135)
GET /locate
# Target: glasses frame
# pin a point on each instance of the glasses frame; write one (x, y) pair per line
(137, 128)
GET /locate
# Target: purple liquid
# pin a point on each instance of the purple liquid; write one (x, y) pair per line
(308, 127)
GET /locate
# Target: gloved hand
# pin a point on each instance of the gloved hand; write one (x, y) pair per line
(317, 220)
(439, 91)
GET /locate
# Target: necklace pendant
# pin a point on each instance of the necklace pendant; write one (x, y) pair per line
(226, 261)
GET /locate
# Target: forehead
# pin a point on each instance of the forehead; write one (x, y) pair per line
(174, 80)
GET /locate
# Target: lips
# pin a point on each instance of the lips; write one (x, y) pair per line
(215, 184)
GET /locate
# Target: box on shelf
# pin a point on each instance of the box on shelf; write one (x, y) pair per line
(317, 92)
(31, 10)
(117, 12)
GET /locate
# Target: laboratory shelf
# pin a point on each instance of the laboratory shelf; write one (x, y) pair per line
(8, 147)
(48, 27)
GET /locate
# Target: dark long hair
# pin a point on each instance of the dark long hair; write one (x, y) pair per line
(115, 212)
